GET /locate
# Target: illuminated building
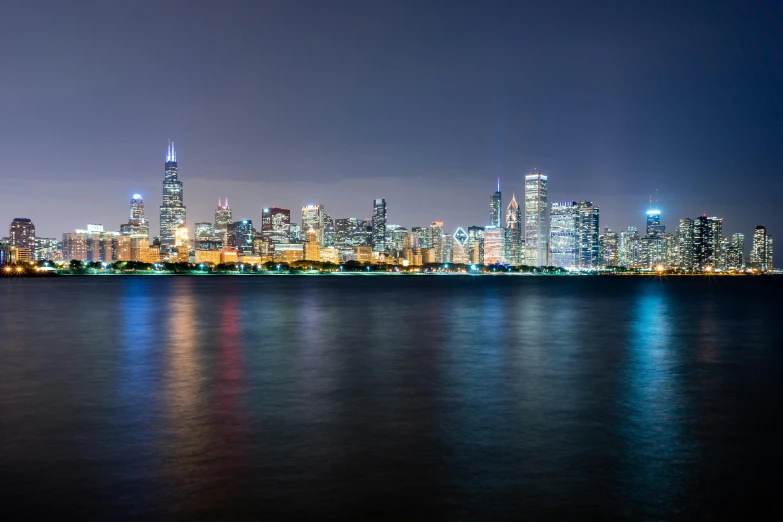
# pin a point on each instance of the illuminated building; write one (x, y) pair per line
(759, 255)
(588, 235)
(123, 248)
(229, 255)
(312, 249)
(21, 234)
(494, 243)
(47, 249)
(654, 227)
(222, 220)
(182, 244)
(610, 247)
(476, 245)
(205, 231)
(252, 260)
(7, 254)
(536, 236)
(362, 254)
(496, 208)
(294, 233)
(379, 225)
(313, 217)
(514, 245)
(75, 246)
(240, 236)
(172, 211)
(330, 233)
(435, 239)
(707, 232)
(564, 234)
(137, 224)
(260, 246)
(350, 232)
(459, 249)
(208, 256)
(735, 257)
(289, 252)
(629, 248)
(275, 225)
(686, 260)
(422, 239)
(330, 255)
(395, 238)
(428, 256)
(770, 261)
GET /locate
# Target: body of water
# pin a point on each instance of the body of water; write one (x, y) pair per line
(390, 398)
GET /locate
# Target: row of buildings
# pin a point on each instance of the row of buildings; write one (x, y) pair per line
(537, 233)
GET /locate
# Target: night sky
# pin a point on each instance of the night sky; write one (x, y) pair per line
(421, 103)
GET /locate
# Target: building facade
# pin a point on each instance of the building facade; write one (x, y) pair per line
(536, 236)
(496, 208)
(172, 211)
(379, 225)
(564, 234)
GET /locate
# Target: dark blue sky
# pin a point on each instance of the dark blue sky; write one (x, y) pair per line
(423, 103)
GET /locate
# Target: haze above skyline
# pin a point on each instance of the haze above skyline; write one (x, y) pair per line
(424, 104)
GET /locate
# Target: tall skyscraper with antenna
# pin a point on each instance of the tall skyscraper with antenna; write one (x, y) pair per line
(172, 211)
(223, 219)
(496, 208)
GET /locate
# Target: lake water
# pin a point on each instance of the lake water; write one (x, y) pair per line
(390, 398)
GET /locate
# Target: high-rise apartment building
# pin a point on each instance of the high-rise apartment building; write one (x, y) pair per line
(629, 248)
(610, 247)
(21, 234)
(536, 236)
(707, 233)
(496, 208)
(172, 211)
(758, 253)
(735, 257)
(685, 251)
(330, 234)
(379, 225)
(588, 235)
(564, 234)
(313, 217)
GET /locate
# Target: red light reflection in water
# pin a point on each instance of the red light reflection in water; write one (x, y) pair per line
(230, 379)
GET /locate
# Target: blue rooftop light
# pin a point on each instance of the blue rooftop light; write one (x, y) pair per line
(653, 212)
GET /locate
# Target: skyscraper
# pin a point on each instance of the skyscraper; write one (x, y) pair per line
(588, 235)
(435, 238)
(654, 227)
(21, 234)
(137, 224)
(735, 258)
(685, 250)
(758, 252)
(222, 220)
(629, 248)
(494, 242)
(476, 245)
(240, 236)
(515, 253)
(564, 234)
(496, 208)
(459, 249)
(707, 233)
(172, 211)
(610, 248)
(379, 225)
(275, 225)
(313, 217)
(536, 219)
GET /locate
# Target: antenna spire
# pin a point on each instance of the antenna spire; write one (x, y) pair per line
(498, 184)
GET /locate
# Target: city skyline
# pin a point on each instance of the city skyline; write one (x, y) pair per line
(348, 112)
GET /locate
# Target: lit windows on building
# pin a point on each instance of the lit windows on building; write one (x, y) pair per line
(536, 236)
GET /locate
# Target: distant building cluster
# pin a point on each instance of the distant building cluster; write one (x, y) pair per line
(563, 234)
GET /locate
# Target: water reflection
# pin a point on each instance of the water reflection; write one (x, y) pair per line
(654, 408)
